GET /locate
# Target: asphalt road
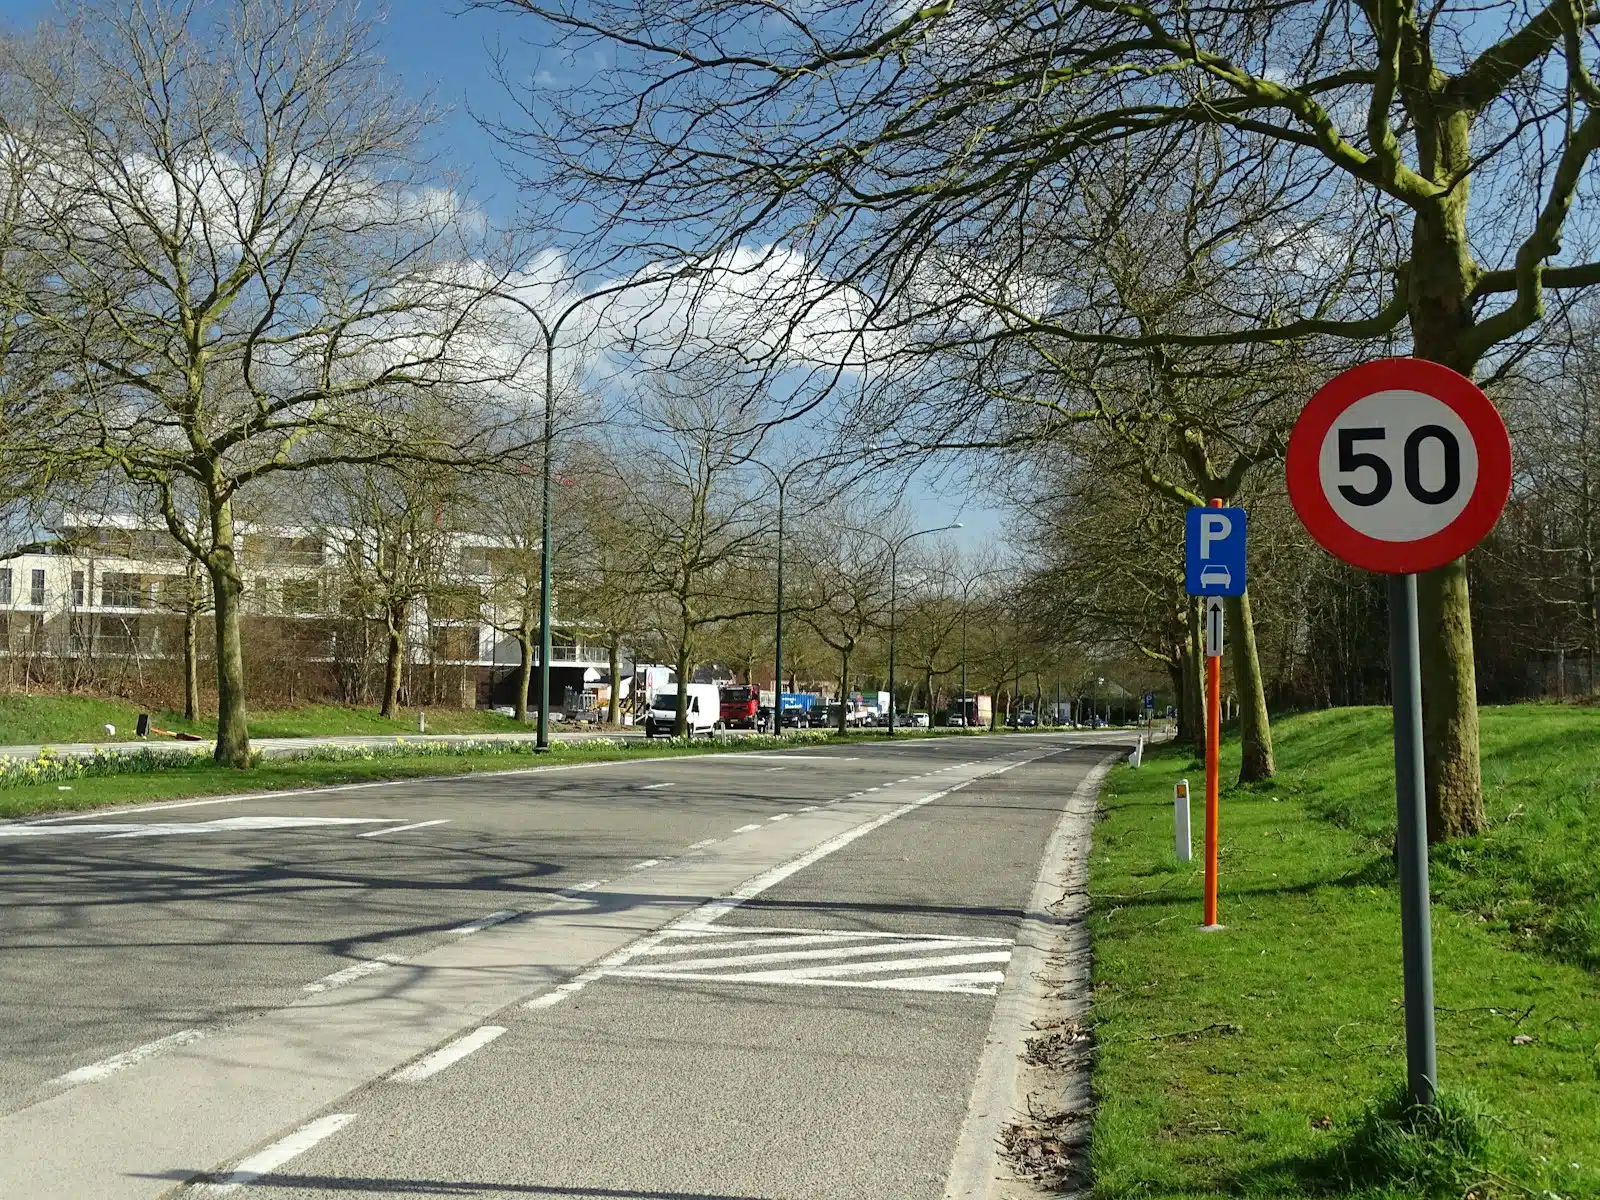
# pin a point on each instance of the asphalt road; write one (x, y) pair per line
(712, 978)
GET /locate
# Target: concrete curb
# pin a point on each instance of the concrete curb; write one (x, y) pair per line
(1047, 985)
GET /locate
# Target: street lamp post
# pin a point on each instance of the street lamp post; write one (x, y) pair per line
(894, 545)
(550, 331)
(781, 483)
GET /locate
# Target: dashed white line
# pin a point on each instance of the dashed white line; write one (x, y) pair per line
(775, 768)
(447, 1056)
(578, 889)
(780, 817)
(650, 787)
(703, 843)
(106, 1067)
(649, 862)
(482, 923)
(353, 972)
(403, 828)
(746, 828)
(274, 1156)
(809, 808)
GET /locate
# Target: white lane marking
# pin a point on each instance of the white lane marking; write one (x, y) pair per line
(649, 862)
(698, 920)
(969, 983)
(144, 808)
(482, 923)
(650, 787)
(353, 972)
(447, 1056)
(809, 808)
(776, 768)
(799, 757)
(832, 952)
(240, 824)
(106, 1067)
(578, 889)
(779, 817)
(403, 828)
(702, 844)
(266, 1161)
(746, 828)
(676, 946)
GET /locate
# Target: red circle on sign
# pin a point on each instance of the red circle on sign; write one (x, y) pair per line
(1303, 466)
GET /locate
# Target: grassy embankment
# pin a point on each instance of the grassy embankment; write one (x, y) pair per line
(32, 720)
(1252, 1062)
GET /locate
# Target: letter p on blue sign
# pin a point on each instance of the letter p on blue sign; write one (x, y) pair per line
(1214, 551)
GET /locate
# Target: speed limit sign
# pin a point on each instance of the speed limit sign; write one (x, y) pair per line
(1399, 466)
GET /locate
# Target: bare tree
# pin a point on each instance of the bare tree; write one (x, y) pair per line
(893, 152)
(697, 528)
(252, 272)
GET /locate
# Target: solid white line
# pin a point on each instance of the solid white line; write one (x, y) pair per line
(447, 1056)
(832, 971)
(353, 972)
(802, 757)
(779, 817)
(482, 923)
(650, 787)
(403, 828)
(741, 930)
(746, 828)
(95, 1072)
(649, 862)
(274, 1156)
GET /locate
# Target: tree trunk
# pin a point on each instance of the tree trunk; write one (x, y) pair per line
(191, 664)
(1255, 729)
(844, 689)
(1196, 681)
(524, 670)
(1449, 705)
(680, 721)
(394, 659)
(614, 657)
(233, 733)
(1440, 308)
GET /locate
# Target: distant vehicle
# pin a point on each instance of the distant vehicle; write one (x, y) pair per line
(824, 716)
(1216, 575)
(921, 720)
(740, 704)
(795, 717)
(955, 721)
(1027, 721)
(705, 711)
(764, 718)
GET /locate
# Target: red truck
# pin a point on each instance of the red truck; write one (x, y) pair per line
(740, 703)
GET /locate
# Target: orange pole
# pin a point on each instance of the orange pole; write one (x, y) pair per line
(1213, 770)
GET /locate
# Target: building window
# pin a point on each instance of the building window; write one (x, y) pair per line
(77, 589)
(36, 588)
(301, 596)
(117, 590)
(5, 585)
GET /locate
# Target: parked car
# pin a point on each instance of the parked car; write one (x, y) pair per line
(955, 721)
(920, 720)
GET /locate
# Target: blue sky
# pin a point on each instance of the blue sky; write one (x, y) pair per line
(435, 49)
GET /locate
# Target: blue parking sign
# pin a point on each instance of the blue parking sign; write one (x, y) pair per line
(1213, 551)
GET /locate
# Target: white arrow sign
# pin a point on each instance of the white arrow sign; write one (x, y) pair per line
(1213, 626)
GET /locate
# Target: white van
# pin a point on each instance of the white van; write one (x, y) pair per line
(705, 711)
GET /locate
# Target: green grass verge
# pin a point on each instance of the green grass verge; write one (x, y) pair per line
(1262, 1061)
(32, 720)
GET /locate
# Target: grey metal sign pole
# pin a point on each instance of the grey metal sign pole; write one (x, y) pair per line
(1411, 839)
